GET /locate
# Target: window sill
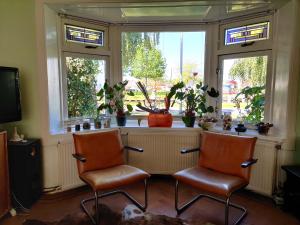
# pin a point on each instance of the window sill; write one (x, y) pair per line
(132, 125)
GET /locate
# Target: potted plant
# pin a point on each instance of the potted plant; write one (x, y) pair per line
(254, 97)
(114, 103)
(158, 117)
(263, 128)
(207, 123)
(195, 102)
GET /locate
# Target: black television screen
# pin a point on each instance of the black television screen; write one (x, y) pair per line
(10, 106)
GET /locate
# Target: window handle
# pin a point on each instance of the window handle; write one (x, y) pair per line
(89, 46)
(247, 44)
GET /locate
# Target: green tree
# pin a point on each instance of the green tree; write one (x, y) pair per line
(130, 41)
(81, 82)
(189, 75)
(250, 70)
(148, 63)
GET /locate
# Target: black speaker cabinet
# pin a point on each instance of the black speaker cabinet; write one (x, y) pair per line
(25, 172)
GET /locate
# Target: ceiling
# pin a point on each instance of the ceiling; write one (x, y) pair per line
(165, 11)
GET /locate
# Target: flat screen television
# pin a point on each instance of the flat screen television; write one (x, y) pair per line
(10, 105)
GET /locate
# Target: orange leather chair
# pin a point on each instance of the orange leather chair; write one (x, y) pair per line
(101, 165)
(223, 168)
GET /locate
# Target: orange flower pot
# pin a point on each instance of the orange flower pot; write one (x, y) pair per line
(160, 120)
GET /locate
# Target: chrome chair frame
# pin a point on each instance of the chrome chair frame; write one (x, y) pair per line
(95, 220)
(226, 201)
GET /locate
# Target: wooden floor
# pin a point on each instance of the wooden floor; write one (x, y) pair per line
(261, 210)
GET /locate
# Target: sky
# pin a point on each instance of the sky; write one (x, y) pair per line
(193, 50)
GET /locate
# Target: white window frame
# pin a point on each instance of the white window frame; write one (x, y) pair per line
(82, 47)
(237, 48)
(170, 28)
(74, 49)
(269, 91)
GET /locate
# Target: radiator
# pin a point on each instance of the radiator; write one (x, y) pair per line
(162, 151)
(162, 156)
(263, 175)
(68, 175)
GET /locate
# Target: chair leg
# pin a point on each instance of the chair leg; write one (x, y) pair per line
(96, 208)
(226, 202)
(227, 210)
(95, 220)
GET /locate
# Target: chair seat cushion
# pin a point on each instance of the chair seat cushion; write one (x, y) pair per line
(211, 181)
(113, 177)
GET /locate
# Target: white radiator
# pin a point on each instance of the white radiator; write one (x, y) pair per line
(162, 151)
(162, 156)
(263, 172)
(68, 175)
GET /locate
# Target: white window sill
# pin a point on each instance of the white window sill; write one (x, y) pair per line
(132, 125)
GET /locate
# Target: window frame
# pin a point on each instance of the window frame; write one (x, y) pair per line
(64, 77)
(170, 28)
(82, 47)
(269, 91)
(237, 48)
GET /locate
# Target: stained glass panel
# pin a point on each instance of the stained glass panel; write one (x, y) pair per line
(249, 33)
(83, 35)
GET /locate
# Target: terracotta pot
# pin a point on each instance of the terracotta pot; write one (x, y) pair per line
(160, 120)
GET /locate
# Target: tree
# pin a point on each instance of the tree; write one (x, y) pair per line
(130, 41)
(148, 63)
(189, 75)
(81, 81)
(251, 70)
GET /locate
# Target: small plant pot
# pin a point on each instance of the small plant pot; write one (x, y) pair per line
(240, 128)
(121, 121)
(263, 130)
(207, 125)
(160, 120)
(189, 121)
(97, 124)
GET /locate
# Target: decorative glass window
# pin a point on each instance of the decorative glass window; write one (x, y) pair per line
(248, 33)
(83, 35)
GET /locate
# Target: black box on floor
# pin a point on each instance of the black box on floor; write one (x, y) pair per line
(292, 189)
(25, 172)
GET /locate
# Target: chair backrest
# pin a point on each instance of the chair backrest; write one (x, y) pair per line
(225, 153)
(101, 150)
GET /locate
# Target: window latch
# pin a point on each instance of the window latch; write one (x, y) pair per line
(90, 46)
(247, 44)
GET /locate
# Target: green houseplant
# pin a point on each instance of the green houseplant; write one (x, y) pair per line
(195, 102)
(158, 117)
(114, 103)
(254, 97)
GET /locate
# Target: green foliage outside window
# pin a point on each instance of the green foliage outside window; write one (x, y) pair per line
(255, 103)
(252, 70)
(81, 82)
(148, 64)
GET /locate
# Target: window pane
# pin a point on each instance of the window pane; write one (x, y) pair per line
(238, 74)
(83, 35)
(253, 32)
(159, 60)
(85, 76)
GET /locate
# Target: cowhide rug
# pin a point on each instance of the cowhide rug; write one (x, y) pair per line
(131, 215)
